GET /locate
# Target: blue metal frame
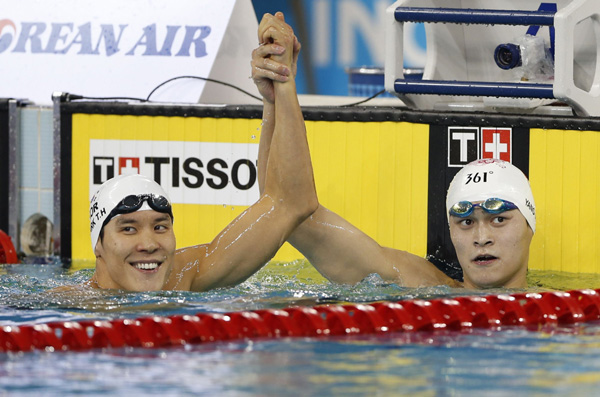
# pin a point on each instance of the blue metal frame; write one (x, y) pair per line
(475, 16)
(472, 88)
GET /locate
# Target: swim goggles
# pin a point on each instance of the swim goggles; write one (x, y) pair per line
(133, 203)
(462, 209)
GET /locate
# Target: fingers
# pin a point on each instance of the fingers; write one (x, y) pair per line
(279, 16)
(266, 22)
(259, 73)
(266, 50)
(282, 35)
(272, 28)
(269, 69)
(278, 43)
(261, 58)
(297, 47)
(271, 61)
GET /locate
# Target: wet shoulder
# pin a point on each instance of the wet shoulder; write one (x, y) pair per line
(416, 271)
(188, 263)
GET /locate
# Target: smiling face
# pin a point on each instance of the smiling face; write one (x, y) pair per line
(493, 249)
(136, 252)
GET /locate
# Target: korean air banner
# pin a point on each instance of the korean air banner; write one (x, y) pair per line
(116, 48)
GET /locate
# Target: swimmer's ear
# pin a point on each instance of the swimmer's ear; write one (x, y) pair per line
(97, 253)
(99, 243)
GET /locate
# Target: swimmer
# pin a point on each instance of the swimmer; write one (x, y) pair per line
(491, 222)
(132, 217)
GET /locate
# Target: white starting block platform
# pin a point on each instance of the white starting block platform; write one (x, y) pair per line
(502, 54)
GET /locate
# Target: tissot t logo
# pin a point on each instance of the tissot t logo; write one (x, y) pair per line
(463, 145)
(104, 169)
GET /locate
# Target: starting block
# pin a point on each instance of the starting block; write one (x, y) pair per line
(482, 56)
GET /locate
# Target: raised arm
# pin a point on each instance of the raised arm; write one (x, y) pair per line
(254, 237)
(337, 249)
(265, 71)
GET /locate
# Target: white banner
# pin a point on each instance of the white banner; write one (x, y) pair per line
(191, 172)
(125, 48)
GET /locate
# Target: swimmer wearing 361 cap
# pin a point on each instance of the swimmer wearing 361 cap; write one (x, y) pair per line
(131, 219)
(491, 213)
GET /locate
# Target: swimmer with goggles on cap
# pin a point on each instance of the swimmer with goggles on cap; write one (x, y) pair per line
(492, 222)
(131, 217)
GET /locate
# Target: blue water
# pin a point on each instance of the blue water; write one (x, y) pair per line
(559, 360)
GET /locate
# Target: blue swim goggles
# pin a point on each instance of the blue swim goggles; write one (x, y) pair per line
(462, 209)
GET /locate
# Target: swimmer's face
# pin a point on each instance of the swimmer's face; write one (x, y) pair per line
(493, 249)
(136, 252)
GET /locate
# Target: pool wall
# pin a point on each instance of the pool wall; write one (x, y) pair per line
(386, 169)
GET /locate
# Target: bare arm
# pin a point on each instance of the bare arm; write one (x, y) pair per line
(337, 249)
(344, 254)
(254, 237)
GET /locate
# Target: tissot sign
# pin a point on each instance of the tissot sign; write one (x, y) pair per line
(192, 172)
(120, 48)
(466, 144)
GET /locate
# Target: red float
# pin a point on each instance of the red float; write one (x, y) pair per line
(493, 311)
(8, 254)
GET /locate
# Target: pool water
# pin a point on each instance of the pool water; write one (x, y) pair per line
(552, 360)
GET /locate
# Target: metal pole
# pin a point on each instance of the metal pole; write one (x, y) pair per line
(14, 199)
(475, 16)
(56, 235)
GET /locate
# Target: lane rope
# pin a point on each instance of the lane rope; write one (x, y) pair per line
(461, 313)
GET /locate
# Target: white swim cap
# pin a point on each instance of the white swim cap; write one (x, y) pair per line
(150, 196)
(492, 178)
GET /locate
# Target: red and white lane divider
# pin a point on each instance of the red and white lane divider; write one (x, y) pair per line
(524, 309)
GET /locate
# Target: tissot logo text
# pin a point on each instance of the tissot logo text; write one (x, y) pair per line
(190, 172)
(466, 144)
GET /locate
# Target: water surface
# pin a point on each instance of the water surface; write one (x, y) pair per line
(552, 360)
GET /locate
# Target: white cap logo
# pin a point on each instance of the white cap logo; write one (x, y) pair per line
(112, 192)
(492, 178)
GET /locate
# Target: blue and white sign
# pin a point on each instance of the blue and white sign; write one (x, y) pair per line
(342, 34)
(124, 48)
